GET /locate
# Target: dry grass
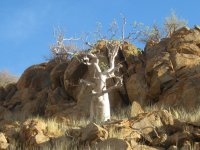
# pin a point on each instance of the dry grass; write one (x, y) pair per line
(122, 113)
(60, 130)
(179, 113)
(7, 78)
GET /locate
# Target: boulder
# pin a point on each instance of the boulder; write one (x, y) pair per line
(19, 99)
(33, 132)
(136, 87)
(93, 133)
(132, 58)
(113, 143)
(35, 77)
(3, 142)
(136, 109)
(2, 94)
(74, 72)
(171, 66)
(10, 90)
(182, 94)
(10, 129)
(147, 122)
(145, 147)
(57, 75)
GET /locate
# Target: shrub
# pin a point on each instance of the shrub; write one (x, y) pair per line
(7, 78)
(173, 23)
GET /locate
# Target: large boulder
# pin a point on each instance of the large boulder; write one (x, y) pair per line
(10, 90)
(57, 75)
(10, 129)
(172, 69)
(93, 133)
(35, 77)
(136, 109)
(136, 87)
(2, 93)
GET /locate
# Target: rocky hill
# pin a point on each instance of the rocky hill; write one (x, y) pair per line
(164, 74)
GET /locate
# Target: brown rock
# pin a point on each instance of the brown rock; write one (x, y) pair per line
(50, 65)
(34, 77)
(137, 89)
(57, 75)
(113, 143)
(183, 93)
(74, 72)
(171, 68)
(173, 147)
(148, 121)
(20, 98)
(5, 113)
(3, 142)
(132, 57)
(145, 147)
(160, 74)
(2, 94)
(10, 129)
(57, 96)
(93, 133)
(10, 90)
(159, 140)
(136, 109)
(179, 138)
(33, 132)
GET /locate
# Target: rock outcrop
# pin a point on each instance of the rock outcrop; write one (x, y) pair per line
(172, 72)
(153, 130)
(165, 73)
(53, 89)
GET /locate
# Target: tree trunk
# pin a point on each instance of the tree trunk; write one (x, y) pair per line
(100, 104)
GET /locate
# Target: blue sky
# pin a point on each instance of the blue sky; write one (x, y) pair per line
(26, 27)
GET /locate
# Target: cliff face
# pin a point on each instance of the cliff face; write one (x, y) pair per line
(171, 73)
(166, 73)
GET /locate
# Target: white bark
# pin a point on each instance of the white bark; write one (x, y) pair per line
(100, 104)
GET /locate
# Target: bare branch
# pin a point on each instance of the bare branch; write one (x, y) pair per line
(123, 28)
(113, 29)
(111, 73)
(112, 53)
(71, 39)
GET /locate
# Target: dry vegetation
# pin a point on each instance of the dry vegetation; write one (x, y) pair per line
(7, 78)
(63, 140)
(179, 113)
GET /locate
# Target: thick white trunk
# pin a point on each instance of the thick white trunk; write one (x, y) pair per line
(100, 104)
